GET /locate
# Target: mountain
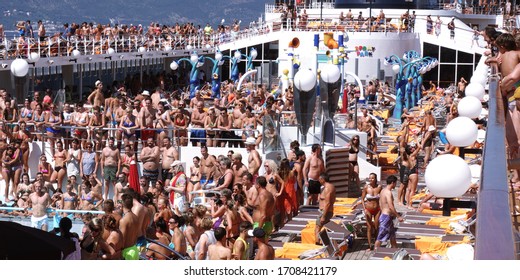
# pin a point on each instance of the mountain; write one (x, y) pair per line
(131, 11)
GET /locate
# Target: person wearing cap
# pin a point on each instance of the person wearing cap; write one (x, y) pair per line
(427, 144)
(169, 154)
(241, 246)
(265, 251)
(96, 98)
(218, 251)
(147, 120)
(177, 187)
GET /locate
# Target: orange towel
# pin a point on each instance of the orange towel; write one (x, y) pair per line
(293, 250)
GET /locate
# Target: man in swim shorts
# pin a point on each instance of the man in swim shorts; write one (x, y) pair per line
(129, 226)
(40, 201)
(388, 213)
(312, 169)
(264, 207)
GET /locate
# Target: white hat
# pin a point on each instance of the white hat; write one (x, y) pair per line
(97, 83)
(431, 128)
(175, 163)
(250, 141)
(146, 93)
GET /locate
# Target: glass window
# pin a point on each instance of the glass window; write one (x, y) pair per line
(465, 57)
(431, 50)
(448, 55)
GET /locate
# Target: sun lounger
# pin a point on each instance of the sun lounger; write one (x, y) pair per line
(383, 252)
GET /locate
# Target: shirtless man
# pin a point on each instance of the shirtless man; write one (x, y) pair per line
(198, 116)
(207, 167)
(150, 156)
(264, 207)
(121, 186)
(36, 100)
(265, 251)
(143, 217)
(312, 169)
(96, 98)
(250, 191)
(238, 116)
(218, 251)
(39, 201)
(110, 165)
(461, 86)
(147, 120)
(327, 197)
(388, 213)
(254, 160)
(169, 154)
(198, 98)
(239, 169)
(129, 227)
(108, 208)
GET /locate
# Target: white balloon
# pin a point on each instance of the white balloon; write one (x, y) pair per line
(189, 47)
(447, 176)
(174, 65)
(19, 67)
(167, 48)
(76, 53)
(305, 80)
(194, 58)
(330, 73)
(461, 132)
(475, 89)
(470, 107)
(141, 49)
(479, 79)
(111, 51)
(218, 56)
(396, 68)
(33, 57)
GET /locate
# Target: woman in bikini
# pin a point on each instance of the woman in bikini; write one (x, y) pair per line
(24, 189)
(288, 202)
(53, 119)
(180, 123)
(240, 201)
(88, 197)
(97, 188)
(194, 182)
(274, 186)
(80, 120)
(370, 202)
(178, 241)
(210, 124)
(128, 125)
(8, 162)
(411, 176)
(113, 235)
(38, 118)
(21, 133)
(26, 111)
(232, 222)
(162, 123)
(60, 156)
(45, 168)
(353, 150)
(192, 232)
(69, 200)
(97, 124)
(93, 245)
(249, 124)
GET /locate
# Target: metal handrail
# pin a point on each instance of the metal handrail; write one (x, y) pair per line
(494, 229)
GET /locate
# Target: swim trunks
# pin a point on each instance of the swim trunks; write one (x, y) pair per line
(314, 187)
(131, 253)
(109, 173)
(326, 216)
(38, 222)
(386, 228)
(267, 227)
(153, 175)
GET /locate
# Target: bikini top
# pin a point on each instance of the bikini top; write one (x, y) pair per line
(271, 180)
(127, 123)
(69, 199)
(371, 197)
(26, 113)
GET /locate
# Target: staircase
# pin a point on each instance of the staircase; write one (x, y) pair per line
(340, 171)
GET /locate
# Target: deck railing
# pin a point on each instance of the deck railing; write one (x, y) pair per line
(494, 234)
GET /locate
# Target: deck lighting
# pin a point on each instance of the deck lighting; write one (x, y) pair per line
(448, 176)
(19, 67)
